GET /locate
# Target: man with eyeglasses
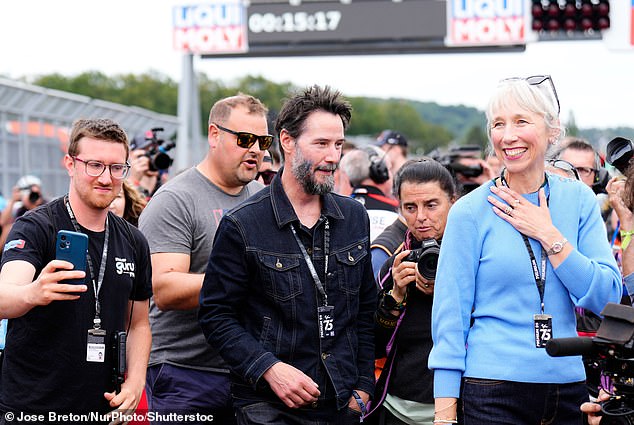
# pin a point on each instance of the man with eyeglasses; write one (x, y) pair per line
(583, 157)
(288, 295)
(185, 374)
(57, 329)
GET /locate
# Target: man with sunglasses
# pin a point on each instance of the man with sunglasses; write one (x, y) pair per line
(186, 375)
(59, 355)
(289, 295)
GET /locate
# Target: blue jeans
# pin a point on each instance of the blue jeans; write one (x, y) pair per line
(266, 413)
(487, 401)
(173, 389)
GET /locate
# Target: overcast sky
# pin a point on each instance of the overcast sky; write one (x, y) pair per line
(117, 36)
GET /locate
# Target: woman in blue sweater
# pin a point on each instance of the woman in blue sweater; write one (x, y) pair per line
(518, 254)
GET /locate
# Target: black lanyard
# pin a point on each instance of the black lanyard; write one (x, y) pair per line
(540, 277)
(102, 267)
(309, 262)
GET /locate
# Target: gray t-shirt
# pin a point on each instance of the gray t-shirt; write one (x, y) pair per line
(182, 217)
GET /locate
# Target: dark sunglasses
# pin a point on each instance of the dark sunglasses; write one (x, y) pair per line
(536, 80)
(267, 176)
(246, 140)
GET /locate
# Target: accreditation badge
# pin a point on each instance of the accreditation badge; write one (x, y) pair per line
(543, 329)
(326, 321)
(96, 347)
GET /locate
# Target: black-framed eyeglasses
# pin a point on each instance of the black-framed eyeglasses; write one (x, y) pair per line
(586, 171)
(267, 176)
(565, 166)
(96, 168)
(246, 140)
(536, 80)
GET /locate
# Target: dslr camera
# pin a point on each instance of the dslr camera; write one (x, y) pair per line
(155, 148)
(426, 258)
(618, 153)
(612, 352)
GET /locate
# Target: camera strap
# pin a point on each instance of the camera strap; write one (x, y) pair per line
(96, 286)
(324, 312)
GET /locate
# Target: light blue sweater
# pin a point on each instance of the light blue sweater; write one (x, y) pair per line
(484, 274)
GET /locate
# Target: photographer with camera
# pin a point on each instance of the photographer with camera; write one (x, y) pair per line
(141, 177)
(27, 195)
(466, 166)
(404, 395)
(519, 254)
(149, 161)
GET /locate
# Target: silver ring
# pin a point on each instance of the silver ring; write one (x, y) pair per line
(516, 201)
(508, 210)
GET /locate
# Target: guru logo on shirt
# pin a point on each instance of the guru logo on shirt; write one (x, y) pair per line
(124, 267)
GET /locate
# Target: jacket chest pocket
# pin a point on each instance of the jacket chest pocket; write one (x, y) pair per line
(281, 276)
(350, 267)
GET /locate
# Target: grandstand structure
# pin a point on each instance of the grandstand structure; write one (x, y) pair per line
(35, 124)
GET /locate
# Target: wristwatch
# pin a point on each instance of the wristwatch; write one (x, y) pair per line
(556, 247)
(389, 303)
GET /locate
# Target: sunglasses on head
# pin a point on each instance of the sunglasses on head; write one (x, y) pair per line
(536, 80)
(267, 176)
(246, 140)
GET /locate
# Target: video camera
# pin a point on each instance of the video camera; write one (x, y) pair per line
(618, 153)
(156, 149)
(451, 160)
(612, 351)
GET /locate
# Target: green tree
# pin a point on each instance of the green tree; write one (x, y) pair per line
(571, 126)
(476, 136)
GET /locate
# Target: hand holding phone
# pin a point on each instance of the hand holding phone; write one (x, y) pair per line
(72, 247)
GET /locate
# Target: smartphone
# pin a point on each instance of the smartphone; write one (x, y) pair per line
(72, 247)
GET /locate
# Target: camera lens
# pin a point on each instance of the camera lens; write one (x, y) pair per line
(34, 197)
(161, 161)
(428, 263)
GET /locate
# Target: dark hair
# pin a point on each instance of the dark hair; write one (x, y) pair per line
(296, 109)
(424, 171)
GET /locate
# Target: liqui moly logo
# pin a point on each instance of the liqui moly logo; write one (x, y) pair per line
(486, 22)
(210, 28)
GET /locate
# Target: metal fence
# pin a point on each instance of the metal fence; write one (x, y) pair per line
(35, 124)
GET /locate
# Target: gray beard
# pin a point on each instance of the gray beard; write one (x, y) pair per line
(302, 170)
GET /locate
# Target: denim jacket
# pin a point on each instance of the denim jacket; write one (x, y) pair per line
(259, 302)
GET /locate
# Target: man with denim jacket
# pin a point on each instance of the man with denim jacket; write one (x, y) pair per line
(288, 295)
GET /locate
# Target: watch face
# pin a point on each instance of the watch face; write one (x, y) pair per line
(557, 246)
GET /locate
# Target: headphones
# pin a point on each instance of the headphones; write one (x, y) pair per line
(379, 173)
